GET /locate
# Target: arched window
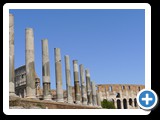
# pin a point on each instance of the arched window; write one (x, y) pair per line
(139, 88)
(135, 102)
(118, 95)
(110, 88)
(129, 87)
(123, 87)
(125, 104)
(118, 104)
(130, 102)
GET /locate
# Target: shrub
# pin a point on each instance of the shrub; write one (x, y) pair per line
(107, 104)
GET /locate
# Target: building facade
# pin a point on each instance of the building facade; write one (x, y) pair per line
(122, 95)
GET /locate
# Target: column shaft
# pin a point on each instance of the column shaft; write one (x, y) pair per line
(76, 82)
(45, 70)
(68, 80)
(11, 56)
(88, 86)
(94, 99)
(98, 99)
(30, 68)
(83, 87)
(58, 72)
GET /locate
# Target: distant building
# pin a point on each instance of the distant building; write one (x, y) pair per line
(122, 95)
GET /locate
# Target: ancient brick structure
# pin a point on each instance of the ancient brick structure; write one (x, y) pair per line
(122, 95)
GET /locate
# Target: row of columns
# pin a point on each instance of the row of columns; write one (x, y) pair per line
(88, 93)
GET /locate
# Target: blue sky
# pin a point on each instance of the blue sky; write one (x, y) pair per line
(110, 43)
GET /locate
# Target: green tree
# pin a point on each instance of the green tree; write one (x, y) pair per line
(107, 104)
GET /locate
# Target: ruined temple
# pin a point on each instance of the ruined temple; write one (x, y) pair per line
(24, 82)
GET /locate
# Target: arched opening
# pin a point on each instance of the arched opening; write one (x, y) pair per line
(135, 102)
(124, 103)
(129, 87)
(118, 104)
(123, 87)
(118, 95)
(130, 102)
(139, 88)
(110, 88)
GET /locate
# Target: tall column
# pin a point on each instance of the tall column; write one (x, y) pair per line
(76, 82)
(88, 86)
(11, 56)
(46, 70)
(94, 99)
(58, 72)
(68, 80)
(98, 99)
(83, 87)
(30, 69)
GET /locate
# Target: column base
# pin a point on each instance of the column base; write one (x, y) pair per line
(70, 102)
(12, 94)
(90, 105)
(48, 97)
(31, 97)
(84, 103)
(78, 102)
(59, 100)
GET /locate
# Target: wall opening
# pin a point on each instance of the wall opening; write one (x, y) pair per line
(135, 102)
(129, 87)
(123, 87)
(124, 103)
(130, 102)
(118, 104)
(139, 88)
(110, 88)
(118, 95)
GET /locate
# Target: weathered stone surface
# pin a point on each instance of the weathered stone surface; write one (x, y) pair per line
(46, 70)
(83, 87)
(94, 98)
(43, 104)
(88, 87)
(98, 99)
(123, 95)
(58, 71)
(68, 80)
(11, 56)
(30, 67)
(76, 82)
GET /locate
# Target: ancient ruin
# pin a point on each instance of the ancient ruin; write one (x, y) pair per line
(123, 96)
(24, 82)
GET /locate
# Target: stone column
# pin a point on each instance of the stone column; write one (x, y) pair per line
(11, 56)
(30, 68)
(46, 71)
(88, 86)
(98, 99)
(115, 103)
(94, 99)
(76, 82)
(83, 87)
(58, 74)
(68, 80)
